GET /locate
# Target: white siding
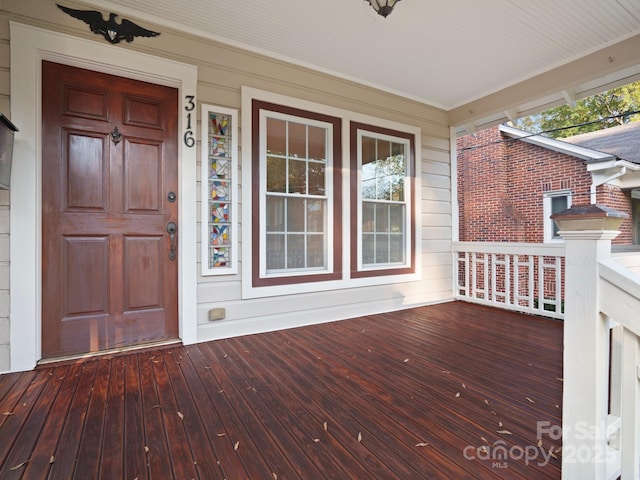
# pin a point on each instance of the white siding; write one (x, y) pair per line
(222, 72)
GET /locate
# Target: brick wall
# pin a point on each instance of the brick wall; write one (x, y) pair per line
(501, 182)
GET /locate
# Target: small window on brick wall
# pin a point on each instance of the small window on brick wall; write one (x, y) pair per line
(554, 202)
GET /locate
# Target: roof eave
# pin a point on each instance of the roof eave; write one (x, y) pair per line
(583, 153)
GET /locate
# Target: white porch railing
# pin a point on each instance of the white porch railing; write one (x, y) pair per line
(601, 405)
(619, 300)
(526, 277)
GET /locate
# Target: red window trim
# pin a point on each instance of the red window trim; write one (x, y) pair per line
(355, 273)
(336, 261)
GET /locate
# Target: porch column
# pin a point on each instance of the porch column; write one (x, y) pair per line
(587, 231)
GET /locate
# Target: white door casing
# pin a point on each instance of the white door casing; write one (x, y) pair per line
(29, 46)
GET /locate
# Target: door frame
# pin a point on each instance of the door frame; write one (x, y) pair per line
(29, 46)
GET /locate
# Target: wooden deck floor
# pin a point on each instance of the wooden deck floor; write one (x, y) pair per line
(449, 391)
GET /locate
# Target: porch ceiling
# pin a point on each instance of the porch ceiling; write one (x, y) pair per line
(446, 54)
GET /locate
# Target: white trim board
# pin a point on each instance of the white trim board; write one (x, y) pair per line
(29, 46)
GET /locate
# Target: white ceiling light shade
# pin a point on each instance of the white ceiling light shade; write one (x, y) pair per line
(383, 7)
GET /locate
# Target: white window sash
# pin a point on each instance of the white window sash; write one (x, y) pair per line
(408, 199)
(328, 196)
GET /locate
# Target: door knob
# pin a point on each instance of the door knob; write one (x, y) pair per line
(172, 228)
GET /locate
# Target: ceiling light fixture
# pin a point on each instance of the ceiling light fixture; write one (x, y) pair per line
(383, 7)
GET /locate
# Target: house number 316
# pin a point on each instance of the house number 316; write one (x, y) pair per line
(189, 139)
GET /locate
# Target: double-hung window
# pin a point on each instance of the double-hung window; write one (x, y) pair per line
(297, 196)
(382, 201)
(554, 202)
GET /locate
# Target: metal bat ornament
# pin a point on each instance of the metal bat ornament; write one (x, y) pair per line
(111, 30)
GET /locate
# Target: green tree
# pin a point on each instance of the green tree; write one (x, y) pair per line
(603, 110)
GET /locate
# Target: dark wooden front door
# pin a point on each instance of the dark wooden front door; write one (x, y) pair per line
(109, 162)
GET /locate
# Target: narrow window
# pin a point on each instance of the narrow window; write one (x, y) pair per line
(297, 195)
(382, 201)
(554, 202)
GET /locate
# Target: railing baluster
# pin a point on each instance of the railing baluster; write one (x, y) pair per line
(540, 283)
(630, 429)
(507, 279)
(531, 283)
(500, 275)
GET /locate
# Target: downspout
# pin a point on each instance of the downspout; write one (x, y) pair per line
(595, 185)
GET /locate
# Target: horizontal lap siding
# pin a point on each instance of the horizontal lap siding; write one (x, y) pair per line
(222, 71)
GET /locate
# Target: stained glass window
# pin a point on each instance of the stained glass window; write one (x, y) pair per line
(219, 190)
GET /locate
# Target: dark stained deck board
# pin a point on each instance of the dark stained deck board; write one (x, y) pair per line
(253, 441)
(345, 422)
(158, 458)
(287, 400)
(68, 444)
(453, 375)
(44, 451)
(89, 435)
(182, 460)
(209, 400)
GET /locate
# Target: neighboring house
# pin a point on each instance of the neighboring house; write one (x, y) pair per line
(510, 182)
(186, 187)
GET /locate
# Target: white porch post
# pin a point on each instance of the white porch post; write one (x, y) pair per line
(587, 231)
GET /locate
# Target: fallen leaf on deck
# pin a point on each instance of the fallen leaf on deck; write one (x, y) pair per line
(530, 400)
(457, 394)
(484, 440)
(464, 386)
(560, 379)
(539, 442)
(325, 426)
(275, 477)
(422, 444)
(237, 444)
(551, 452)
(359, 436)
(52, 459)
(17, 467)
(406, 360)
(222, 434)
(483, 449)
(500, 424)
(316, 440)
(146, 449)
(181, 415)
(487, 402)
(6, 414)
(505, 432)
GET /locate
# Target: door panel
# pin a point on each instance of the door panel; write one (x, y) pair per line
(108, 281)
(86, 272)
(142, 171)
(86, 166)
(143, 257)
